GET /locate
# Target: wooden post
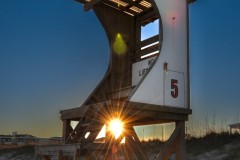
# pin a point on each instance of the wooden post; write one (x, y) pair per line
(135, 144)
(67, 129)
(181, 145)
(127, 150)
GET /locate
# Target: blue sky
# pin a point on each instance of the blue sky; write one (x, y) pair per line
(214, 47)
(48, 62)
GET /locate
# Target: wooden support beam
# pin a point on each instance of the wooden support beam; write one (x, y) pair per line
(181, 146)
(67, 129)
(122, 93)
(120, 8)
(147, 42)
(148, 17)
(127, 150)
(78, 134)
(146, 51)
(157, 108)
(145, 118)
(74, 113)
(140, 154)
(134, 3)
(135, 144)
(77, 113)
(92, 155)
(90, 4)
(93, 135)
(170, 145)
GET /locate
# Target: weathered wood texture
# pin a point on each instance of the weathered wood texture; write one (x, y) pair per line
(176, 143)
(119, 74)
(110, 97)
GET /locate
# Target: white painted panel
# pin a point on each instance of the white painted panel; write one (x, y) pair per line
(174, 89)
(139, 69)
(174, 50)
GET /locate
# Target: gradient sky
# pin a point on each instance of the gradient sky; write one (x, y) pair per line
(53, 54)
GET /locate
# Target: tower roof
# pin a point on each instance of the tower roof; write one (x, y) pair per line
(130, 7)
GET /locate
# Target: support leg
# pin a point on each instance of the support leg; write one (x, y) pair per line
(181, 145)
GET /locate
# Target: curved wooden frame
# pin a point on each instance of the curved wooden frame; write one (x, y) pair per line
(112, 96)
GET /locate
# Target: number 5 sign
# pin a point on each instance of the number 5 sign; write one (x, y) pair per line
(174, 89)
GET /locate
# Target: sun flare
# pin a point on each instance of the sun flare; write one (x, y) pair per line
(116, 127)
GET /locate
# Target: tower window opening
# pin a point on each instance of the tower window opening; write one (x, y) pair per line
(150, 30)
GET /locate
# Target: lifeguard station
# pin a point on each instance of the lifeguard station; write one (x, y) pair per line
(147, 82)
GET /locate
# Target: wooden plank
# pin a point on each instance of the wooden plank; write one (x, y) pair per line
(181, 146)
(133, 3)
(147, 42)
(160, 120)
(127, 151)
(122, 93)
(92, 156)
(157, 108)
(93, 134)
(147, 50)
(67, 129)
(120, 8)
(74, 113)
(135, 144)
(154, 116)
(80, 130)
(94, 126)
(77, 113)
(143, 114)
(148, 17)
(168, 146)
(79, 133)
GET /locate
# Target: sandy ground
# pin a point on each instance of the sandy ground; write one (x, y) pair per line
(219, 154)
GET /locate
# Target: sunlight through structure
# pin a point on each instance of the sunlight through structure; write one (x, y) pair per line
(102, 133)
(116, 127)
(146, 82)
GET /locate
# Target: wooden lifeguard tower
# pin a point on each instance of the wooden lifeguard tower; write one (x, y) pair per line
(147, 82)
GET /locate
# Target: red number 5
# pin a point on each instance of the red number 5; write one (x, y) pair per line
(174, 88)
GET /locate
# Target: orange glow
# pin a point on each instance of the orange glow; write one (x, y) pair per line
(116, 127)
